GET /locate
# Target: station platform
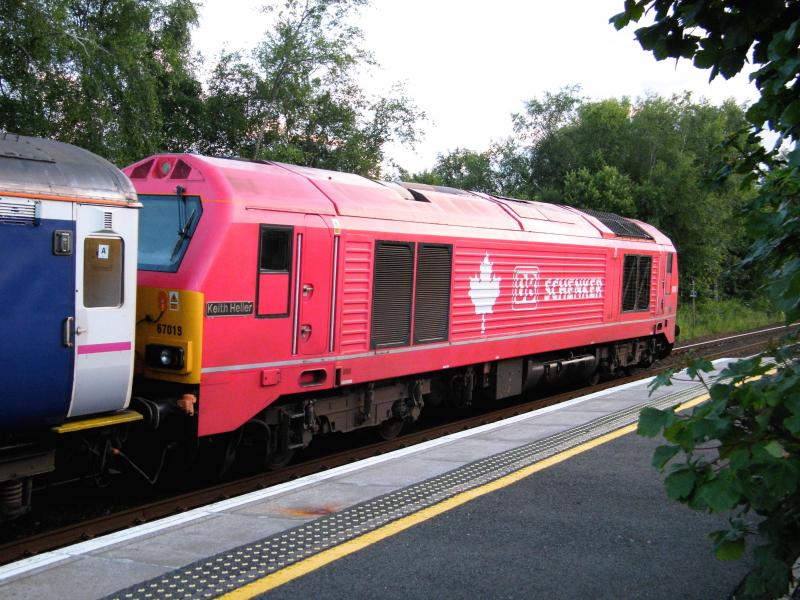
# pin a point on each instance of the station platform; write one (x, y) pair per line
(557, 503)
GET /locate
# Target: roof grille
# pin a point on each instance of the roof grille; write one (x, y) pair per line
(13, 213)
(619, 225)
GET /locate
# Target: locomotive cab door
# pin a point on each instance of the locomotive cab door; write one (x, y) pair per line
(313, 296)
(105, 298)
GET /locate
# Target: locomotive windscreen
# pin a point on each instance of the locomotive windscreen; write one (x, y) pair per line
(166, 224)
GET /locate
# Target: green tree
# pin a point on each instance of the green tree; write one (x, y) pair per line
(605, 190)
(658, 149)
(296, 99)
(113, 77)
(754, 424)
(463, 169)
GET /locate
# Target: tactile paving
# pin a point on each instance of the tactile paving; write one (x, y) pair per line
(235, 568)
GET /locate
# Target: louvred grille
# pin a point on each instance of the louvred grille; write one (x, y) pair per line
(391, 294)
(636, 282)
(432, 301)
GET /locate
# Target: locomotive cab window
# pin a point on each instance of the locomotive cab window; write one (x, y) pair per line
(102, 272)
(166, 227)
(274, 270)
(636, 283)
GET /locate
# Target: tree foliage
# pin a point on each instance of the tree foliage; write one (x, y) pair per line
(113, 77)
(646, 159)
(461, 168)
(295, 98)
(605, 190)
(118, 78)
(755, 425)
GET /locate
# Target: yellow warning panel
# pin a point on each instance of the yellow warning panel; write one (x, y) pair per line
(170, 319)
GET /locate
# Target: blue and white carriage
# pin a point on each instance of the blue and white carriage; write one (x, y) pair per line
(68, 242)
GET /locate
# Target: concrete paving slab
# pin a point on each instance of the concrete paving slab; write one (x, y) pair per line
(521, 433)
(609, 404)
(314, 501)
(179, 547)
(469, 450)
(82, 579)
(404, 472)
(566, 418)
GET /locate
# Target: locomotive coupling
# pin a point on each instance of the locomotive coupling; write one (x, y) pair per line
(157, 411)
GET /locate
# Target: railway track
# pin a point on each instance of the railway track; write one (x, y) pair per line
(732, 345)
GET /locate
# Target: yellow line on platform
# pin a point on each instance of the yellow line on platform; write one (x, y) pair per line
(330, 555)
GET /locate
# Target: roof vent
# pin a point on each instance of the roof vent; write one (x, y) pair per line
(621, 226)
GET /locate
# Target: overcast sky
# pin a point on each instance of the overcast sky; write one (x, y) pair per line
(470, 64)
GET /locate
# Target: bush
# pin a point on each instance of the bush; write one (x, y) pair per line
(723, 316)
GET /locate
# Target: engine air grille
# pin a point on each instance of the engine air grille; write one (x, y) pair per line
(392, 287)
(432, 296)
(25, 213)
(619, 225)
(636, 282)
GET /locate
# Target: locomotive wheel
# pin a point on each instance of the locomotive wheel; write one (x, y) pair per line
(229, 453)
(217, 455)
(390, 429)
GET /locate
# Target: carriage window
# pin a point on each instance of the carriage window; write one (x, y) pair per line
(669, 264)
(102, 272)
(274, 271)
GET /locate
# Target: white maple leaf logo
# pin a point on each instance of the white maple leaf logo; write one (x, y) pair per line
(484, 290)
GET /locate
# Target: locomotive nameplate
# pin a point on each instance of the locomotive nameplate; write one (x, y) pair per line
(229, 309)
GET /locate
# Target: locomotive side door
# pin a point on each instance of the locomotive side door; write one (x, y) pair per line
(313, 294)
(105, 299)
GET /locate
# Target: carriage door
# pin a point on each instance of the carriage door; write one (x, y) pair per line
(105, 246)
(313, 292)
(37, 280)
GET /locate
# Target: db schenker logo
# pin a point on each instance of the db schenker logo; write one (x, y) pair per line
(525, 288)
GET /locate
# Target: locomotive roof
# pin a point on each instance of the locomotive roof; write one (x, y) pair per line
(40, 167)
(277, 186)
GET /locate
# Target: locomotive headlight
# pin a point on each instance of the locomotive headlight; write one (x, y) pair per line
(164, 357)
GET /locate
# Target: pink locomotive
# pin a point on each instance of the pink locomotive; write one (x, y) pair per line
(278, 302)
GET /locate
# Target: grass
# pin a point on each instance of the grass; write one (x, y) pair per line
(722, 316)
